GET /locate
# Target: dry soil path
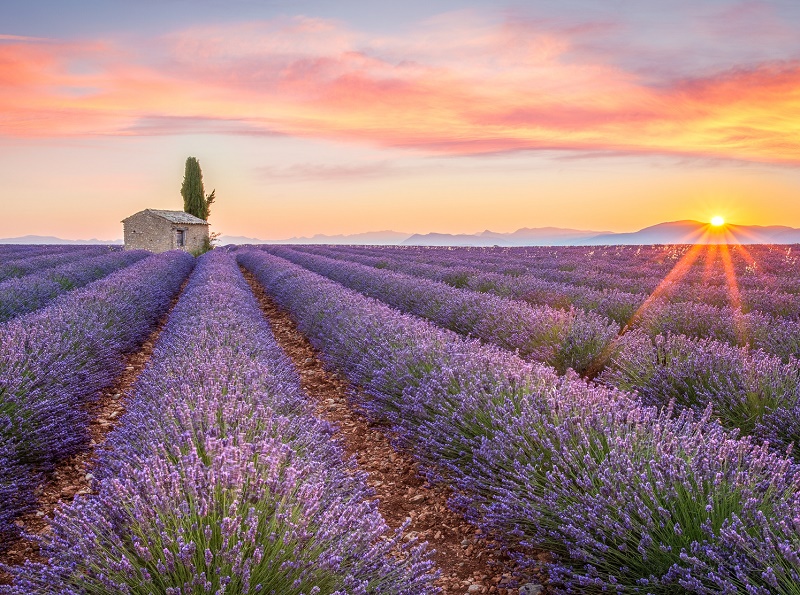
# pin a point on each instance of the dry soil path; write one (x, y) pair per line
(468, 563)
(73, 476)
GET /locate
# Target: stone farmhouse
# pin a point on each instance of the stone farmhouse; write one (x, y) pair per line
(159, 231)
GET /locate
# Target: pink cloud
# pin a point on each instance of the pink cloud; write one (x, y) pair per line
(456, 86)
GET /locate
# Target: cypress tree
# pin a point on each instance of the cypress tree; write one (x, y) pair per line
(194, 198)
(209, 201)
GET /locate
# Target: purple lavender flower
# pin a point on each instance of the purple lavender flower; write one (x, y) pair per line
(33, 259)
(24, 294)
(55, 360)
(220, 480)
(629, 498)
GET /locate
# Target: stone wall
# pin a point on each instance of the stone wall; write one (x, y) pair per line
(144, 231)
(195, 235)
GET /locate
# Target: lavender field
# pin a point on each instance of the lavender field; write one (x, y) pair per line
(612, 419)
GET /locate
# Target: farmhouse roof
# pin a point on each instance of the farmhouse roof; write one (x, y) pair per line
(174, 216)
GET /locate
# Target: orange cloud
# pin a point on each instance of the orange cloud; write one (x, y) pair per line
(24, 64)
(456, 86)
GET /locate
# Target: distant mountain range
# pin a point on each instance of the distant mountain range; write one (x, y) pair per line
(675, 232)
(694, 232)
(54, 240)
(540, 236)
(373, 238)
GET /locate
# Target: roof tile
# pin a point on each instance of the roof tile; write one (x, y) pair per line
(177, 216)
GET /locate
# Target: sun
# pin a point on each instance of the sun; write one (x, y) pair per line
(717, 221)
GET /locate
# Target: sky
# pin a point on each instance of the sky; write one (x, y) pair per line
(341, 116)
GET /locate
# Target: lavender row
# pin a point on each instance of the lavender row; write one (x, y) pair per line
(56, 360)
(618, 300)
(563, 339)
(749, 390)
(11, 251)
(613, 304)
(219, 479)
(31, 292)
(637, 269)
(626, 498)
(19, 267)
(696, 310)
(701, 282)
(19, 251)
(754, 392)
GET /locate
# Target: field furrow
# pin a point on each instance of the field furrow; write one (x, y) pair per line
(73, 476)
(21, 295)
(55, 362)
(748, 390)
(219, 478)
(462, 554)
(627, 498)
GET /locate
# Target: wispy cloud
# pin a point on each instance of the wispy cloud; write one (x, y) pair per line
(158, 125)
(22, 38)
(303, 172)
(458, 85)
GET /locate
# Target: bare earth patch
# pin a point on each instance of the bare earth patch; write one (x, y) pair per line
(468, 562)
(73, 476)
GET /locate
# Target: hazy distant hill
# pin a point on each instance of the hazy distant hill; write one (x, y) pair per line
(695, 232)
(447, 239)
(368, 238)
(540, 236)
(54, 240)
(675, 232)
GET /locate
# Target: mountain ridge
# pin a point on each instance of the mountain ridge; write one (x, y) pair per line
(686, 231)
(525, 236)
(367, 238)
(47, 240)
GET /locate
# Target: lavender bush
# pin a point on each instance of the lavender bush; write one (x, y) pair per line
(220, 480)
(562, 339)
(634, 269)
(26, 294)
(17, 484)
(628, 498)
(616, 305)
(55, 360)
(32, 259)
(586, 277)
(676, 311)
(10, 252)
(754, 392)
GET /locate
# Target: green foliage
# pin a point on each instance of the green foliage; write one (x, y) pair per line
(459, 280)
(210, 198)
(64, 282)
(195, 200)
(208, 244)
(192, 189)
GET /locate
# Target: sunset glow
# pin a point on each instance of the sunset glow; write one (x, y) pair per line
(552, 246)
(424, 120)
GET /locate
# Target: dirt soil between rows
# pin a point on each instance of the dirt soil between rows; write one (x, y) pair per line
(468, 561)
(73, 476)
